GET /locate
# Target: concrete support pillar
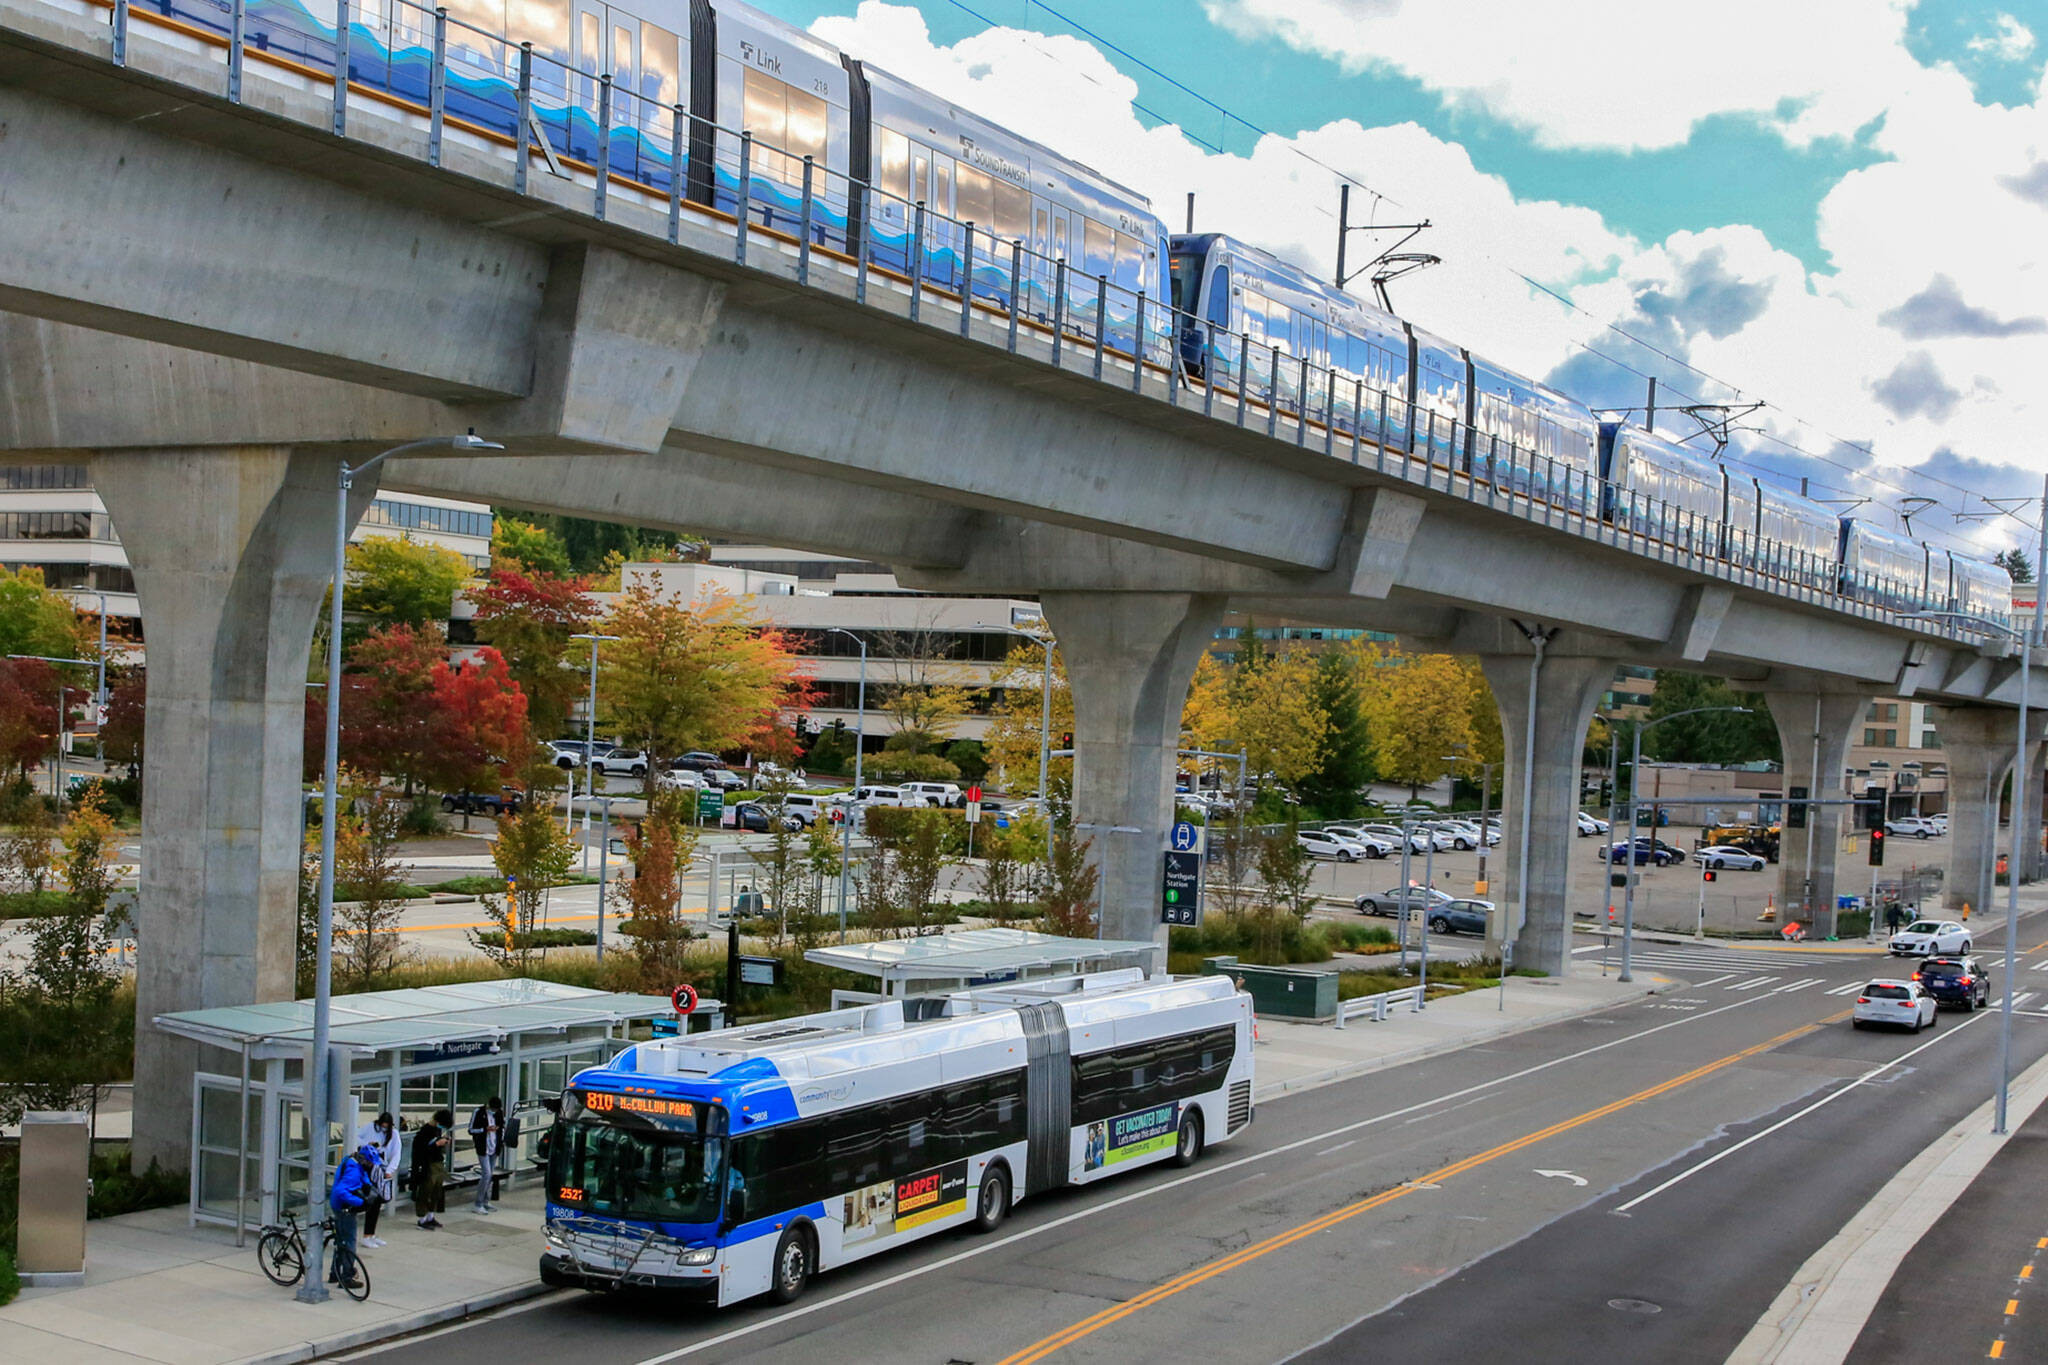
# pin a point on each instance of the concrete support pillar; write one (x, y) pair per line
(1810, 723)
(2033, 857)
(231, 549)
(1129, 657)
(1566, 692)
(1979, 742)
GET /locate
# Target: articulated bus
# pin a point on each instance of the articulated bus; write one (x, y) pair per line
(744, 1161)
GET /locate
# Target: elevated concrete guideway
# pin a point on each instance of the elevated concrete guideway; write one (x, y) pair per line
(210, 303)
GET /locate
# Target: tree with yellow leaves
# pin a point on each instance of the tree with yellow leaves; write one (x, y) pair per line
(1420, 709)
(1266, 705)
(1013, 737)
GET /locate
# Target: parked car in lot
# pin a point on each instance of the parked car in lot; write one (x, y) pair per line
(696, 761)
(1956, 980)
(1930, 938)
(1461, 917)
(511, 800)
(933, 794)
(1728, 858)
(568, 753)
(1389, 902)
(754, 818)
(1647, 850)
(1463, 834)
(807, 808)
(721, 778)
(1323, 843)
(882, 796)
(1590, 825)
(1897, 1004)
(680, 779)
(1913, 827)
(1375, 845)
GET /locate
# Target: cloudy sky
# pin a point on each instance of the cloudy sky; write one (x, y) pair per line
(1835, 206)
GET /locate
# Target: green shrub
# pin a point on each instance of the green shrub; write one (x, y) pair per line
(1354, 937)
(10, 1283)
(893, 766)
(401, 891)
(34, 904)
(1258, 939)
(490, 884)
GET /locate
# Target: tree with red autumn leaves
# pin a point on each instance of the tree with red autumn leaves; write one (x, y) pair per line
(28, 716)
(410, 716)
(528, 616)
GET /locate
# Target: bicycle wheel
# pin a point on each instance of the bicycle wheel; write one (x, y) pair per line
(360, 1289)
(281, 1258)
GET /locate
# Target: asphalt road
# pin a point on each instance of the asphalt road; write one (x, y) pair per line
(1637, 1184)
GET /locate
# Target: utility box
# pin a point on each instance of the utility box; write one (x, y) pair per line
(56, 1151)
(1281, 992)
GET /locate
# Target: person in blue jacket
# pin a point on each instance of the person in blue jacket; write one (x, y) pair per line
(355, 1184)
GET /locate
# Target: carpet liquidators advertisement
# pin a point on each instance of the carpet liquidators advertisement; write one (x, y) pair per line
(900, 1205)
(1130, 1136)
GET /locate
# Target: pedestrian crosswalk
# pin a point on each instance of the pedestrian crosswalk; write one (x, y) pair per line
(1684, 959)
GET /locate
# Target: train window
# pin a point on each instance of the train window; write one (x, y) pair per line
(1013, 210)
(1059, 235)
(660, 79)
(807, 132)
(920, 175)
(976, 202)
(941, 198)
(1098, 247)
(787, 125)
(767, 111)
(892, 174)
(1184, 271)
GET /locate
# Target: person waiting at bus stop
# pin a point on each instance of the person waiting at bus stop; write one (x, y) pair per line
(353, 1190)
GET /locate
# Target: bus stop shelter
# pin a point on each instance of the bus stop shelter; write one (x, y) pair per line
(409, 1052)
(979, 957)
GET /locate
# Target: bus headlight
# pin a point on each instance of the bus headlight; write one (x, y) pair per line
(698, 1256)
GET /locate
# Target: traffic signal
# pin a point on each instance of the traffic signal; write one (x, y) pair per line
(1877, 848)
(1708, 875)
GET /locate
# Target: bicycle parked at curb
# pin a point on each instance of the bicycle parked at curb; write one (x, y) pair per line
(281, 1251)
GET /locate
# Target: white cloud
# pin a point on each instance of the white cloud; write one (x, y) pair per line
(2011, 41)
(1939, 241)
(1617, 74)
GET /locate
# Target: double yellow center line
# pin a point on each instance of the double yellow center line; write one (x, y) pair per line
(1203, 1273)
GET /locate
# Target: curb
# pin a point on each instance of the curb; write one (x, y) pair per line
(1818, 1316)
(393, 1328)
(1367, 1065)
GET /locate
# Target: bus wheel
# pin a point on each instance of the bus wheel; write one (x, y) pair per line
(1188, 1145)
(994, 1203)
(792, 1266)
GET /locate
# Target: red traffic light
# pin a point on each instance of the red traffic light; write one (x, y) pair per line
(1877, 848)
(1708, 875)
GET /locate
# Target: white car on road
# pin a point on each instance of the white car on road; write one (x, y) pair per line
(1913, 826)
(1930, 938)
(1591, 824)
(1902, 1004)
(1729, 858)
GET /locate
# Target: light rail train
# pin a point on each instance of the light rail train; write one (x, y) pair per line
(730, 111)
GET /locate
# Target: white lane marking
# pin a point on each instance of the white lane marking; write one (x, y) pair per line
(1578, 1180)
(2039, 967)
(1338, 1148)
(1751, 984)
(1852, 988)
(983, 1248)
(1711, 981)
(1821, 1103)
(1800, 985)
(2022, 998)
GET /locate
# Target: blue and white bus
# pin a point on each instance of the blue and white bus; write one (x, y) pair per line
(745, 1161)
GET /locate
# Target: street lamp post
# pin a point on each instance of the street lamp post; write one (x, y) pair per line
(1635, 768)
(860, 735)
(590, 750)
(313, 1289)
(2027, 640)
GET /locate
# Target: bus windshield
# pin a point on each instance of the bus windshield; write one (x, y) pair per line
(645, 1174)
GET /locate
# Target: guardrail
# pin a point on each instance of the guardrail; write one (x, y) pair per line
(1379, 1006)
(825, 229)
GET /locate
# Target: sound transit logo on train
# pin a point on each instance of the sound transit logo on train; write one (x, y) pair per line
(899, 1205)
(993, 162)
(1130, 1136)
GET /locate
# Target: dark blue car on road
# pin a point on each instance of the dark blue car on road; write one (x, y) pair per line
(1954, 980)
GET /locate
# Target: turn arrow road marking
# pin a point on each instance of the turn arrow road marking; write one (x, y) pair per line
(1563, 1175)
